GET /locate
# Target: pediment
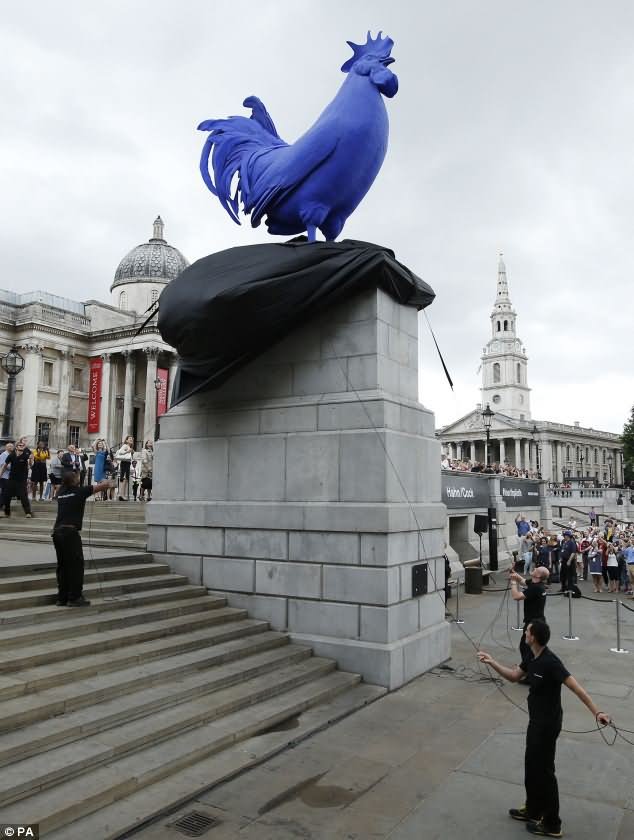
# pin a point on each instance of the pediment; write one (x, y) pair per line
(472, 423)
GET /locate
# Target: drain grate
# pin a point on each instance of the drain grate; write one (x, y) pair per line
(195, 824)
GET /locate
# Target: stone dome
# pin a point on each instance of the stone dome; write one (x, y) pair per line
(152, 262)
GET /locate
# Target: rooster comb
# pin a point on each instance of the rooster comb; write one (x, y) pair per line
(379, 47)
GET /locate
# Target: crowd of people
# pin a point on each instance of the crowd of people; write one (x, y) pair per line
(491, 469)
(604, 554)
(37, 474)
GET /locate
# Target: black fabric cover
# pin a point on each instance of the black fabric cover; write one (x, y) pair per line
(228, 308)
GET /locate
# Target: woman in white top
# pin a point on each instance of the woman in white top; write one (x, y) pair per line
(124, 457)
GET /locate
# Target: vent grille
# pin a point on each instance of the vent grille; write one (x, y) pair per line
(195, 824)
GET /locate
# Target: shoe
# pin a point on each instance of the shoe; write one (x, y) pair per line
(538, 827)
(79, 602)
(519, 814)
(29, 516)
(60, 603)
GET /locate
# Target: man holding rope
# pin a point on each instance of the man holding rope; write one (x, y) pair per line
(534, 597)
(546, 673)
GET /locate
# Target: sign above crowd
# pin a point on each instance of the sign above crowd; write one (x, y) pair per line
(465, 490)
(519, 493)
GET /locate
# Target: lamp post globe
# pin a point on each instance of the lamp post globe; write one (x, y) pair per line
(487, 417)
(12, 364)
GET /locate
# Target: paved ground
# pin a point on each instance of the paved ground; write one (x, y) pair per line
(443, 756)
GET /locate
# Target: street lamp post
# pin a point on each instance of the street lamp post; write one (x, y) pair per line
(158, 384)
(534, 432)
(487, 417)
(610, 468)
(12, 365)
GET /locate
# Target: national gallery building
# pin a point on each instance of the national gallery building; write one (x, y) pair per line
(86, 373)
(559, 452)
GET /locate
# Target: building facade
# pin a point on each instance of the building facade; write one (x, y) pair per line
(91, 357)
(558, 452)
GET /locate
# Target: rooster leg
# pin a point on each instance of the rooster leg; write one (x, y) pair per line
(311, 230)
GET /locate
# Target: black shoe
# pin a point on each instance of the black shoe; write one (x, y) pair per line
(538, 827)
(60, 603)
(519, 814)
(79, 602)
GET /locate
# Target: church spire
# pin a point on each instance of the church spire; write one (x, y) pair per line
(503, 286)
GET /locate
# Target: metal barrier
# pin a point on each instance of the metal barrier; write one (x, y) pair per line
(618, 648)
(518, 620)
(570, 637)
(457, 619)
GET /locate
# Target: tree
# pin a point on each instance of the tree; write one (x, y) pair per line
(628, 449)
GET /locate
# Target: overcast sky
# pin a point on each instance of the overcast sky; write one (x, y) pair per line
(512, 131)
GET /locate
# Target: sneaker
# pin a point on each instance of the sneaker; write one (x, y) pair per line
(538, 827)
(60, 603)
(29, 516)
(519, 814)
(79, 602)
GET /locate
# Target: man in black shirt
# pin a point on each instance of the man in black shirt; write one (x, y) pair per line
(71, 501)
(546, 673)
(568, 562)
(18, 462)
(534, 598)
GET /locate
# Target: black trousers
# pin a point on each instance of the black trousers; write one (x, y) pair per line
(17, 489)
(542, 791)
(70, 563)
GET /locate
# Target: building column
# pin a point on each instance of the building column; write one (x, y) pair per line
(30, 386)
(104, 407)
(472, 450)
(149, 417)
(518, 453)
(172, 378)
(502, 452)
(459, 451)
(63, 403)
(527, 454)
(128, 392)
(560, 461)
(546, 460)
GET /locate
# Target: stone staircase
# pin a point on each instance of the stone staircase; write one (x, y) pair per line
(112, 524)
(117, 713)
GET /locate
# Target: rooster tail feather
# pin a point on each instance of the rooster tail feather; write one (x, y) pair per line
(231, 144)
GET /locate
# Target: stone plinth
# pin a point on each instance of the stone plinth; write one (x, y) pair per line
(299, 486)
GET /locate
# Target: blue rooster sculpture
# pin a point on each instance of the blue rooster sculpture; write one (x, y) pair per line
(318, 181)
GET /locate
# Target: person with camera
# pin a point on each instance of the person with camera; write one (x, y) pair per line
(546, 673)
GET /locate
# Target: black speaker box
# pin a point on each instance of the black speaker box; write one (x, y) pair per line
(480, 523)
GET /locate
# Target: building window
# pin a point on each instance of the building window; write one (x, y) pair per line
(123, 300)
(604, 458)
(518, 372)
(568, 453)
(496, 398)
(498, 326)
(44, 431)
(496, 372)
(506, 326)
(73, 435)
(587, 454)
(78, 379)
(596, 458)
(47, 374)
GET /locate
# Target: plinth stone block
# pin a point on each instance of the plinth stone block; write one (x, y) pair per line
(307, 487)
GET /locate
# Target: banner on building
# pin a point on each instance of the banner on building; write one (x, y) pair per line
(465, 490)
(94, 395)
(519, 492)
(161, 402)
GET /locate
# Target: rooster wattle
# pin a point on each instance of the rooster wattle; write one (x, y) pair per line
(318, 181)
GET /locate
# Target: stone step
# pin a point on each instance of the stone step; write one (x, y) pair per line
(52, 663)
(233, 692)
(24, 583)
(164, 797)
(112, 541)
(74, 622)
(21, 711)
(13, 601)
(76, 798)
(244, 653)
(10, 567)
(100, 604)
(47, 521)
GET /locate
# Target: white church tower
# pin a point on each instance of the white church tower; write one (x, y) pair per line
(504, 360)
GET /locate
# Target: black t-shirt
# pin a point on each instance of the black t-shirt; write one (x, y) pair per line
(70, 506)
(534, 601)
(19, 463)
(545, 675)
